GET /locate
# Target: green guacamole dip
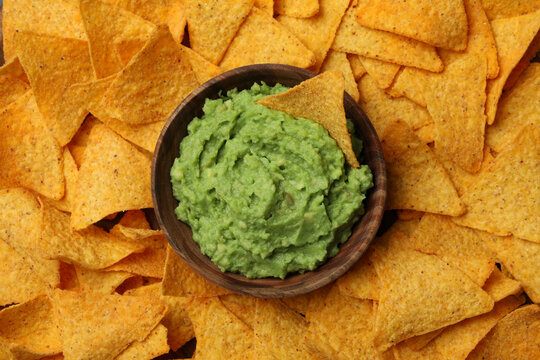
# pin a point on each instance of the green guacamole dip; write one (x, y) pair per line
(265, 194)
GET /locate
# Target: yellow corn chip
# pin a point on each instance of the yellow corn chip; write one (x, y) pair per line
(279, 331)
(212, 25)
(30, 329)
(92, 248)
(410, 83)
(51, 17)
(242, 306)
(5, 352)
(176, 19)
(148, 263)
(53, 64)
(180, 280)
(498, 286)
(514, 337)
(521, 258)
(409, 214)
(78, 143)
(68, 277)
(306, 304)
(297, 8)
(356, 65)
(154, 345)
(317, 32)
(516, 109)
(417, 342)
(382, 72)
(265, 5)
(361, 281)
(512, 36)
(134, 219)
(13, 82)
(458, 340)
(354, 38)
(427, 134)
(416, 180)
(458, 246)
(114, 35)
(525, 61)
(496, 9)
(382, 109)
(30, 155)
(220, 334)
(99, 326)
(102, 282)
(144, 235)
(114, 176)
(343, 329)
(20, 228)
(321, 100)
(168, 78)
(336, 60)
(261, 39)
(71, 174)
(420, 293)
(443, 25)
(506, 199)
(204, 69)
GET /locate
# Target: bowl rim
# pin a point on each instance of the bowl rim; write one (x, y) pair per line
(275, 287)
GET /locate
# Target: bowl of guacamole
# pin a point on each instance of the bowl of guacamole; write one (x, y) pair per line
(261, 202)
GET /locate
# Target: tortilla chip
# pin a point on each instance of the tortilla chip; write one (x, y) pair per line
(496, 9)
(261, 39)
(13, 82)
(356, 65)
(265, 5)
(279, 331)
(30, 155)
(382, 72)
(102, 282)
(30, 329)
(91, 248)
(306, 304)
(78, 143)
(143, 235)
(242, 306)
(148, 263)
(382, 109)
(427, 134)
(114, 176)
(343, 326)
(71, 174)
(176, 19)
(458, 246)
(180, 280)
(521, 258)
(212, 25)
(51, 17)
(204, 70)
(512, 36)
(499, 286)
(168, 78)
(321, 100)
(361, 281)
(409, 214)
(458, 340)
(154, 345)
(297, 8)
(317, 32)
(354, 38)
(525, 61)
(134, 219)
(220, 334)
(68, 277)
(506, 199)
(53, 64)
(514, 337)
(114, 35)
(409, 82)
(418, 342)
(100, 326)
(444, 25)
(420, 293)
(416, 180)
(336, 60)
(516, 109)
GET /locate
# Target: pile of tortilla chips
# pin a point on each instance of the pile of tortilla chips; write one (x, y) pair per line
(449, 86)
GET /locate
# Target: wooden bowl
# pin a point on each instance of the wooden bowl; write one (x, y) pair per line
(179, 234)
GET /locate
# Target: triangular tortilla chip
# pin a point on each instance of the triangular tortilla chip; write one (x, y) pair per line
(516, 109)
(102, 282)
(243, 306)
(514, 337)
(297, 8)
(279, 331)
(114, 321)
(361, 281)
(261, 39)
(382, 72)
(114, 176)
(416, 180)
(77, 145)
(265, 5)
(512, 37)
(204, 70)
(443, 25)
(213, 24)
(336, 60)
(30, 156)
(151, 347)
(409, 82)
(506, 199)
(354, 38)
(499, 286)
(306, 304)
(356, 65)
(150, 262)
(420, 293)
(168, 78)
(317, 32)
(71, 174)
(31, 329)
(176, 19)
(496, 9)
(13, 82)
(114, 35)
(319, 99)
(219, 333)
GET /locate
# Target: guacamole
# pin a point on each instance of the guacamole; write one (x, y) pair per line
(265, 194)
